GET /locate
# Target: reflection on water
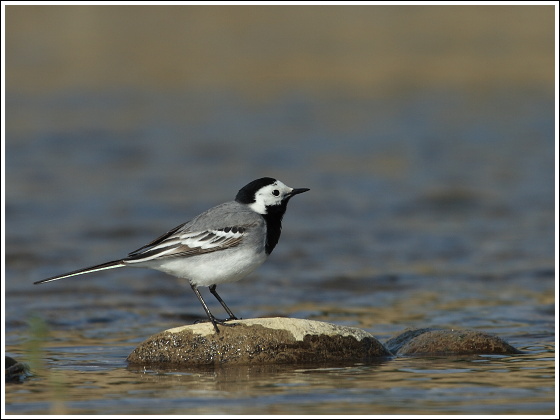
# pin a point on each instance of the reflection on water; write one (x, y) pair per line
(426, 141)
(403, 385)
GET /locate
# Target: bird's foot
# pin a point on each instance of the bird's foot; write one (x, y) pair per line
(231, 318)
(216, 321)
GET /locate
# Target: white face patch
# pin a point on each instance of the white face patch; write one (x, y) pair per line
(270, 195)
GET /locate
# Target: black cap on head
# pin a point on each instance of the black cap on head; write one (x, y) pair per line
(246, 195)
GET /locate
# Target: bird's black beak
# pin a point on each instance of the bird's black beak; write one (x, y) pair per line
(296, 191)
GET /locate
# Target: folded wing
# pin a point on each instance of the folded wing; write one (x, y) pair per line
(177, 243)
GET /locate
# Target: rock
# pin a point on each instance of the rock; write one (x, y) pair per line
(15, 371)
(429, 341)
(258, 341)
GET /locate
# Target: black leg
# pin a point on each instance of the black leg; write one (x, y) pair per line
(211, 317)
(217, 296)
(208, 313)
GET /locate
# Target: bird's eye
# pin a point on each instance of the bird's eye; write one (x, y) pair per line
(276, 193)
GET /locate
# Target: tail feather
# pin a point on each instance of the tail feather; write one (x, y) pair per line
(99, 267)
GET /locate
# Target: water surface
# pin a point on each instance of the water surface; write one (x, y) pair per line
(431, 201)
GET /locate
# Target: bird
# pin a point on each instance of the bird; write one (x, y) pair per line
(221, 245)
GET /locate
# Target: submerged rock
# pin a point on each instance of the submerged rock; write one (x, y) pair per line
(297, 341)
(15, 371)
(259, 341)
(427, 341)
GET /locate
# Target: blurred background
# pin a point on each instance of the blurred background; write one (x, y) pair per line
(425, 133)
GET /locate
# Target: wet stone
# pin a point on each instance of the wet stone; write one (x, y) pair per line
(258, 341)
(429, 341)
(15, 371)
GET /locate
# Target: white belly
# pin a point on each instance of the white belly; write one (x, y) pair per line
(208, 269)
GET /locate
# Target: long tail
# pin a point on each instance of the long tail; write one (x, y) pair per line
(105, 266)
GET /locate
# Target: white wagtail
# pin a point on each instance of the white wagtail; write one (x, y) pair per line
(221, 245)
